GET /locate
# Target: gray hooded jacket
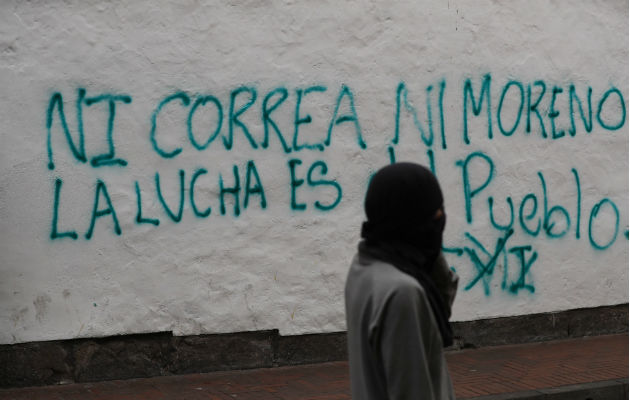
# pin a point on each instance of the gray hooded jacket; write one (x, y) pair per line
(394, 344)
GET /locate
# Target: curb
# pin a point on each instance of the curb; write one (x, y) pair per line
(616, 389)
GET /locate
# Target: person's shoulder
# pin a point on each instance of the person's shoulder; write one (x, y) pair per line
(385, 278)
(384, 271)
(405, 287)
(397, 282)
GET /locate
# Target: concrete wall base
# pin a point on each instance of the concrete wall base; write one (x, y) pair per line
(154, 354)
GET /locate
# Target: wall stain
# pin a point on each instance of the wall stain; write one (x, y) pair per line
(41, 306)
(17, 316)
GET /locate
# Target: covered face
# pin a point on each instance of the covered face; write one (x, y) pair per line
(404, 206)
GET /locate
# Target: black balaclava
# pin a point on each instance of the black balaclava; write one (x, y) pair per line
(402, 229)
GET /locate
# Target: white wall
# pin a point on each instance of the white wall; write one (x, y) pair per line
(276, 265)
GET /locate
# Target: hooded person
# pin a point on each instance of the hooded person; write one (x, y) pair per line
(399, 290)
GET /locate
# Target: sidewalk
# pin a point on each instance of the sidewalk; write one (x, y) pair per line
(590, 368)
